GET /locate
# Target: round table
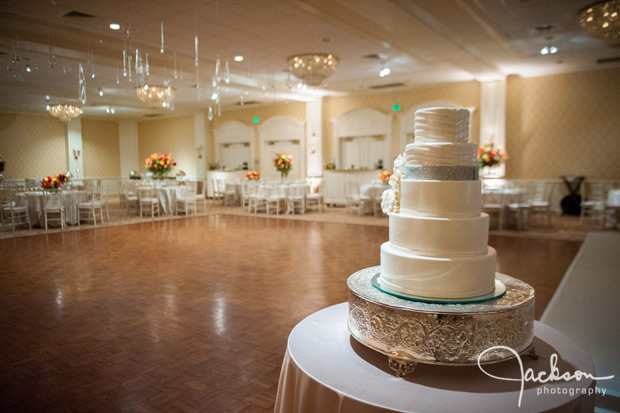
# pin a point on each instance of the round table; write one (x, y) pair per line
(326, 370)
(34, 201)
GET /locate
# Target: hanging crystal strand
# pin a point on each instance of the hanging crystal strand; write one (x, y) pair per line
(161, 50)
(129, 65)
(210, 112)
(227, 73)
(241, 99)
(137, 61)
(81, 84)
(196, 62)
(92, 64)
(124, 63)
(147, 65)
(218, 71)
(118, 80)
(175, 74)
(18, 53)
(52, 60)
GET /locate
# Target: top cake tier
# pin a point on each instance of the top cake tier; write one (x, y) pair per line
(436, 125)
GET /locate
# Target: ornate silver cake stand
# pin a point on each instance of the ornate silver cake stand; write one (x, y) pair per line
(411, 332)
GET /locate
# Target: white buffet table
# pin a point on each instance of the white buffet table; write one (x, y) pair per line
(335, 183)
(227, 176)
(325, 370)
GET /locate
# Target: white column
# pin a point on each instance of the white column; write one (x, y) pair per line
(200, 145)
(314, 138)
(128, 136)
(74, 147)
(493, 116)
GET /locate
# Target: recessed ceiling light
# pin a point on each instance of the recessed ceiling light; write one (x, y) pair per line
(238, 58)
(115, 26)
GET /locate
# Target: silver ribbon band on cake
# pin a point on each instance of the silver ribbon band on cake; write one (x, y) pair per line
(441, 173)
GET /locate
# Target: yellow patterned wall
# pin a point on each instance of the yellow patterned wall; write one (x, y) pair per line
(32, 145)
(101, 148)
(171, 135)
(564, 124)
(246, 114)
(465, 94)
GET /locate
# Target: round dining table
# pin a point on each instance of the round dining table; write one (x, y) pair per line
(326, 370)
(35, 201)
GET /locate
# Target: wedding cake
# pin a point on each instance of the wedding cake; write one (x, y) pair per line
(437, 248)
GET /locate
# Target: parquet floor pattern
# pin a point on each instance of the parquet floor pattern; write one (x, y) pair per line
(186, 315)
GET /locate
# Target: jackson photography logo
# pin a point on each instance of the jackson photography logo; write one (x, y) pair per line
(554, 375)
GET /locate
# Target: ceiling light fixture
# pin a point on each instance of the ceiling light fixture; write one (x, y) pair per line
(156, 96)
(65, 112)
(239, 58)
(115, 26)
(602, 21)
(549, 50)
(384, 72)
(312, 68)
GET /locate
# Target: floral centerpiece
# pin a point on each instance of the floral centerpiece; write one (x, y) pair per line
(385, 176)
(63, 178)
(283, 163)
(331, 164)
(490, 156)
(51, 184)
(160, 164)
(252, 176)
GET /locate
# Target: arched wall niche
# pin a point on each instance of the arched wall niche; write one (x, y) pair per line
(278, 134)
(234, 143)
(364, 134)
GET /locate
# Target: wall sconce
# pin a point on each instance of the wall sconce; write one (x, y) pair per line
(76, 153)
(198, 149)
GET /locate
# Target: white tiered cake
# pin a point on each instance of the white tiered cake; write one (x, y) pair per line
(438, 235)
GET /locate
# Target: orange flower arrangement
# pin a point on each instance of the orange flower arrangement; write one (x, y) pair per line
(283, 163)
(159, 163)
(489, 156)
(385, 176)
(252, 176)
(62, 178)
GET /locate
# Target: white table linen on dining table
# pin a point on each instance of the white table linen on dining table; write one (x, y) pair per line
(35, 200)
(326, 370)
(370, 192)
(167, 198)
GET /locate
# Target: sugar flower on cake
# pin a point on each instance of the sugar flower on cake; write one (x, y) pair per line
(252, 176)
(390, 199)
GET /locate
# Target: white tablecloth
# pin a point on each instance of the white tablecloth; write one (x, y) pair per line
(34, 201)
(167, 197)
(326, 370)
(369, 192)
(613, 198)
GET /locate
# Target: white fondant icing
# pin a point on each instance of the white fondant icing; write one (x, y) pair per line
(439, 237)
(440, 198)
(441, 125)
(441, 154)
(437, 277)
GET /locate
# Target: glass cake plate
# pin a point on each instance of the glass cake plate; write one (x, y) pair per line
(498, 292)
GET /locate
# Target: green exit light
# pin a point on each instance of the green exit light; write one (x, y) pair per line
(396, 108)
(256, 119)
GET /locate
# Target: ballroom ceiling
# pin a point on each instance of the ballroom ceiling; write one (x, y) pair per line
(423, 42)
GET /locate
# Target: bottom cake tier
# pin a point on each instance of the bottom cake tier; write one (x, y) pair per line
(453, 334)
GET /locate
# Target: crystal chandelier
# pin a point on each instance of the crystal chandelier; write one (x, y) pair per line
(312, 68)
(156, 96)
(65, 112)
(601, 21)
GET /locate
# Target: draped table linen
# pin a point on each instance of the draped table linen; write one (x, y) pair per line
(326, 370)
(35, 200)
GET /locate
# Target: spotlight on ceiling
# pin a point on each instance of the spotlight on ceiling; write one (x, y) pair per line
(115, 26)
(384, 72)
(239, 58)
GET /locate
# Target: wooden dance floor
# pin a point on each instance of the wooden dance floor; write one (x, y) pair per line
(189, 314)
